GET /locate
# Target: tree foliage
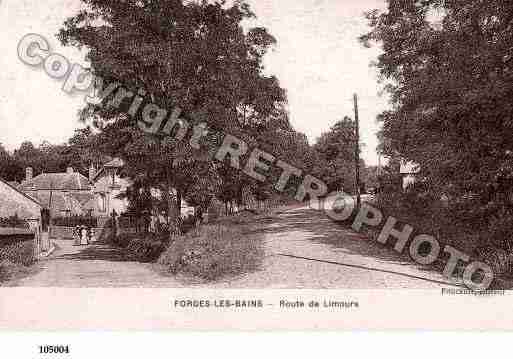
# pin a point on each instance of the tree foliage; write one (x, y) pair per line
(335, 156)
(447, 66)
(195, 55)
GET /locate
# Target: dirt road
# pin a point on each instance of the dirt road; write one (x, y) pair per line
(303, 250)
(307, 250)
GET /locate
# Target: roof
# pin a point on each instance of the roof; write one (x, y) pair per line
(115, 163)
(9, 206)
(57, 181)
(59, 202)
(409, 168)
(17, 189)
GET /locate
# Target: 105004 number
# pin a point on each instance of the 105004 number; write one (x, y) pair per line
(54, 349)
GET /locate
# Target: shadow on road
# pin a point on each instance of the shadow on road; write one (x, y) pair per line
(98, 251)
(340, 238)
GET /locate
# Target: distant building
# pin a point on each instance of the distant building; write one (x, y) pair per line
(108, 186)
(64, 194)
(16, 203)
(71, 193)
(409, 172)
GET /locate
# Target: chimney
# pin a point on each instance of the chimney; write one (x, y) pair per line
(92, 173)
(29, 174)
(69, 170)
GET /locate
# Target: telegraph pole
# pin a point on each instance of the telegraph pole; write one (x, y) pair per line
(357, 152)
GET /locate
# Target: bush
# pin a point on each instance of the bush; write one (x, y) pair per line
(8, 270)
(18, 251)
(146, 249)
(211, 252)
(123, 240)
(500, 231)
(455, 223)
(485, 232)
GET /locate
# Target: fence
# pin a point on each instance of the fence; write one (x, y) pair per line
(74, 221)
(13, 222)
(132, 224)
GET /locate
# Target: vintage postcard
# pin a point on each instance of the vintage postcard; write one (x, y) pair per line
(256, 165)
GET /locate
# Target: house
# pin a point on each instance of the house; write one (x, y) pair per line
(65, 194)
(16, 203)
(107, 187)
(71, 193)
(409, 172)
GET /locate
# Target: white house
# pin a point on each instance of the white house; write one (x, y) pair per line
(409, 171)
(16, 203)
(107, 187)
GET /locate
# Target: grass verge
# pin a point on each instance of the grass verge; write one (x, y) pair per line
(212, 252)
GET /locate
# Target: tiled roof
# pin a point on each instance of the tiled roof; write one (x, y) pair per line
(60, 202)
(57, 181)
(409, 168)
(9, 206)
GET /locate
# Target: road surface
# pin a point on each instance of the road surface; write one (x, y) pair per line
(304, 249)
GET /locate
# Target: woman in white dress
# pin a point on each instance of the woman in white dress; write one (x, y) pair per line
(84, 240)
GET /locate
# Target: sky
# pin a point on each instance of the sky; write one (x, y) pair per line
(318, 60)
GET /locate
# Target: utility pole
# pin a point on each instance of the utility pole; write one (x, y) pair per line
(357, 151)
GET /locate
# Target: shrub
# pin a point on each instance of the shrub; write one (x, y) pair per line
(19, 251)
(123, 240)
(9, 269)
(455, 224)
(146, 249)
(211, 252)
(484, 232)
(500, 231)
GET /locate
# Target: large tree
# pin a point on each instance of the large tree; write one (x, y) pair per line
(194, 54)
(10, 169)
(447, 66)
(335, 151)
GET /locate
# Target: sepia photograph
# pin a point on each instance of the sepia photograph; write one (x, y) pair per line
(291, 163)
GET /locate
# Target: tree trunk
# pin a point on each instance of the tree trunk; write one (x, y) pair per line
(179, 197)
(174, 221)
